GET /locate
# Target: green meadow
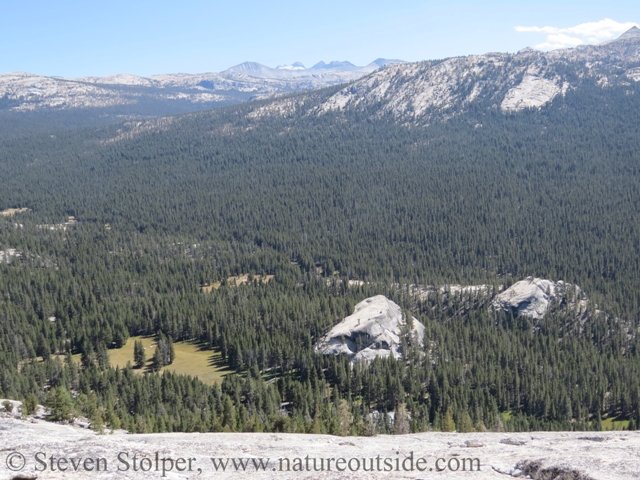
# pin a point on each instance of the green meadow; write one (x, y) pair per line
(191, 359)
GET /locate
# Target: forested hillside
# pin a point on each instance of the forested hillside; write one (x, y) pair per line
(162, 208)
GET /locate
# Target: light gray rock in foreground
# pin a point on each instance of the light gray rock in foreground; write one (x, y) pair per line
(374, 329)
(548, 455)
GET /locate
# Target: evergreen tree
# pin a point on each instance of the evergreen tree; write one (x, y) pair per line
(448, 425)
(401, 420)
(60, 404)
(157, 361)
(30, 404)
(139, 355)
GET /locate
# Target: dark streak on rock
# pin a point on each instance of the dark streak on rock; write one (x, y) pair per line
(535, 470)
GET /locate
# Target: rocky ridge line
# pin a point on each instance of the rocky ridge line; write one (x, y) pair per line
(418, 93)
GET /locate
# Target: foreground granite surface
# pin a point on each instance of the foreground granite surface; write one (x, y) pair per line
(53, 451)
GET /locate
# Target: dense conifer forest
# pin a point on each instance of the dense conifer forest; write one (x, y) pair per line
(164, 207)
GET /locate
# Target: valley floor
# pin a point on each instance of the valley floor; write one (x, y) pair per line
(551, 455)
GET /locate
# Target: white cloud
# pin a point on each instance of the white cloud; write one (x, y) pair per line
(590, 32)
(559, 40)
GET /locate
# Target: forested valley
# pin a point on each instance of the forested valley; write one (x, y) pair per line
(161, 209)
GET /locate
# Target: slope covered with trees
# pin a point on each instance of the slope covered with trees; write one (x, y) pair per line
(165, 208)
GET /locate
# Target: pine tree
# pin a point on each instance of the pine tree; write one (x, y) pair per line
(172, 351)
(30, 404)
(448, 425)
(228, 415)
(102, 356)
(157, 360)
(344, 417)
(464, 424)
(60, 404)
(139, 355)
(401, 420)
(97, 421)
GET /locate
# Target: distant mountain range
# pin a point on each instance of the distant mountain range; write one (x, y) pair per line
(298, 70)
(412, 93)
(126, 95)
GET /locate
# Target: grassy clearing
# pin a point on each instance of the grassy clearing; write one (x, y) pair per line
(190, 359)
(613, 424)
(236, 280)
(120, 356)
(607, 423)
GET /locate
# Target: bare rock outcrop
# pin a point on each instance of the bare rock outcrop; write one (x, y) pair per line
(375, 329)
(541, 456)
(533, 296)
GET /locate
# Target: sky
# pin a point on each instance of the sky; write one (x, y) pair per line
(141, 37)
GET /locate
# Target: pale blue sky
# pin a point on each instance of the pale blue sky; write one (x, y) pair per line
(144, 37)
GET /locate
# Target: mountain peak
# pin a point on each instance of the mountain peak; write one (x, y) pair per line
(633, 32)
(250, 68)
(381, 62)
(334, 64)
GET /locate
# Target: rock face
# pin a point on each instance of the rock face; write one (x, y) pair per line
(375, 329)
(534, 91)
(532, 296)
